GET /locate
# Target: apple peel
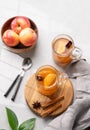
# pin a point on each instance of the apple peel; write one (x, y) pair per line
(10, 38)
(28, 37)
(19, 23)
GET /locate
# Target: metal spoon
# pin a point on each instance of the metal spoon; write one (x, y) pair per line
(27, 63)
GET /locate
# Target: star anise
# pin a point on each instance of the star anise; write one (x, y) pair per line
(39, 78)
(36, 105)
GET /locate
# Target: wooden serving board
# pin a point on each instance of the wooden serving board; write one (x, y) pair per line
(32, 96)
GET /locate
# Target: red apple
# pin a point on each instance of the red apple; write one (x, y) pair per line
(10, 38)
(28, 37)
(19, 23)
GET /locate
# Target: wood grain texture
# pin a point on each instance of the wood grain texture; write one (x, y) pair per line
(32, 95)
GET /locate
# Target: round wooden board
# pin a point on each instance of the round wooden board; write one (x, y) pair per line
(32, 95)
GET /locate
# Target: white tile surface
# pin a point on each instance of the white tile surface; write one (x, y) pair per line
(10, 65)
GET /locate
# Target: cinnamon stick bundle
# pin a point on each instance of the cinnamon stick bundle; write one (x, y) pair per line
(49, 110)
(50, 103)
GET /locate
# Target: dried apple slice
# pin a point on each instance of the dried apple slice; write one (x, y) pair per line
(61, 48)
(49, 80)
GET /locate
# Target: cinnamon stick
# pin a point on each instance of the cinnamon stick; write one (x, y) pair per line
(68, 45)
(49, 110)
(50, 103)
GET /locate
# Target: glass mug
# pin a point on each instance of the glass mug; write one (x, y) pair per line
(49, 79)
(64, 50)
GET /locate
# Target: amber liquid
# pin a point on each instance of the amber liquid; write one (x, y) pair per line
(62, 54)
(47, 86)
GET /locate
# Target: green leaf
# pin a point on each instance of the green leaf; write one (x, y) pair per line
(27, 125)
(12, 119)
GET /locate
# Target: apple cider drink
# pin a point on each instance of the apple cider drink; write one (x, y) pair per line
(63, 50)
(47, 79)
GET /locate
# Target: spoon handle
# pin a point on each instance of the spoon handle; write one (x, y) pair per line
(18, 86)
(12, 85)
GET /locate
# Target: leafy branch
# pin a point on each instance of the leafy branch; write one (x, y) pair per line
(14, 123)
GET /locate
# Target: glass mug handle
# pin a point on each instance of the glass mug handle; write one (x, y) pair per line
(62, 79)
(76, 54)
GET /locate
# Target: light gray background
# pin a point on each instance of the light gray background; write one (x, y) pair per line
(52, 17)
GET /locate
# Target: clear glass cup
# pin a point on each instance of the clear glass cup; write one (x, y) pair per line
(64, 50)
(49, 80)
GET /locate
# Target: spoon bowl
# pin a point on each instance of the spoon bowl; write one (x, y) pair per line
(27, 63)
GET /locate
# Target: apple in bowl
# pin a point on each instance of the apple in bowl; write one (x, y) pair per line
(12, 34)
(19, 23)
(27, 37)
(10, 38)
